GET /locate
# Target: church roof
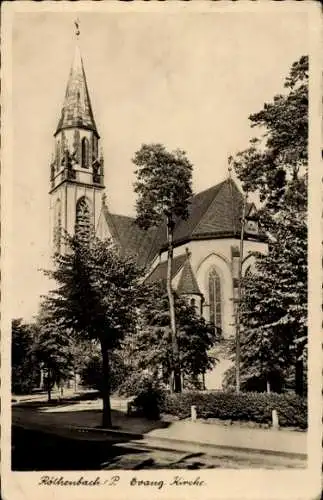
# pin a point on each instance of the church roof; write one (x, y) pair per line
(187, 281)
(132, 240)
(159, 273)
(77, 110)
(213, 213)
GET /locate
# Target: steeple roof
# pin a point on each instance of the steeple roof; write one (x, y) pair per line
(187, 283)
(77, 110)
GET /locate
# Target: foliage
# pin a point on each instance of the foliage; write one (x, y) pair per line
(53, 347)
(149, 398)
(96, 298)
(250, 406)
(274, 302)
(276, 158)
(96, 291)
(24, 373)
(163, 184)
(150, 347)
(91, 373)
(164, 187)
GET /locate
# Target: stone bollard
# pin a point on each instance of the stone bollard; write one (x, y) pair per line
(193, 413)
(275, 420)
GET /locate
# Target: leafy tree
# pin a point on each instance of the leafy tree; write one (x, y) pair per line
(24, 373)
(91, 371)
(96, 297)
(83, 351)
(164, 187)
(274, 304)
(53, 346)
(150, 348)
(278, 158)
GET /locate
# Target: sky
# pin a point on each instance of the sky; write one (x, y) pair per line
(187, 80)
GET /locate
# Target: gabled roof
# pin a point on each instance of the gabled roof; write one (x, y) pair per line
(213, 213)
(77, 110)
(187, 284)
(131, 239)
(159, 273)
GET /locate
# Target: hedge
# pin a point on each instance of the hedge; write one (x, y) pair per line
(245, 406)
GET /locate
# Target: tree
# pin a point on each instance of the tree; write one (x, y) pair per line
(150, 347)
(24, 373)
(164, 187)
(96, 296)
(274, 303)
(91, 370)
(53, 346)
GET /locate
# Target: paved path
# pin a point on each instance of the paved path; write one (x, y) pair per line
(268, 440)
(88, 414)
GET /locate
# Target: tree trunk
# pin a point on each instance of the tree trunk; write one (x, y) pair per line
(106, 413)
(49, 386)
(41, 381)
(175, 350)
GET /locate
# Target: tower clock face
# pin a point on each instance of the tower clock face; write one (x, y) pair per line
(251, 227)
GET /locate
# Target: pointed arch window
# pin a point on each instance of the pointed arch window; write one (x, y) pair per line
(83, 219)
(57, 226)
(85, 152)
(215, 298)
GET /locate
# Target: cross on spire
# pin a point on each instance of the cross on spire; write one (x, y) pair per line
(77, 28)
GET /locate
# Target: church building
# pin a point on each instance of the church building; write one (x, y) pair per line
(206, 245)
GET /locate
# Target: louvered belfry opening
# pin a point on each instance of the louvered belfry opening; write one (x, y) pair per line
(85, 153)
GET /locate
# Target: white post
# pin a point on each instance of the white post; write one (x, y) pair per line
(275, 420)
(193, 413)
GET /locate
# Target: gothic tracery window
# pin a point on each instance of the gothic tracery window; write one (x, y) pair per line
(83, 219)
(85, 152)
(214, 285)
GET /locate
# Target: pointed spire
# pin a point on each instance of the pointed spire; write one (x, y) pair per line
(187, 284)
(77, 110)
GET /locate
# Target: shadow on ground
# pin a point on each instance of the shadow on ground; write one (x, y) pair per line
(67, 435)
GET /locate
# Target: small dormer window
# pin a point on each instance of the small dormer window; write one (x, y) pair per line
(85, 152)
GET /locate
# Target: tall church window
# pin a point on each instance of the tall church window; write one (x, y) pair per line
(85, 152)
(57, 226)
(83, 219)
(215, 298)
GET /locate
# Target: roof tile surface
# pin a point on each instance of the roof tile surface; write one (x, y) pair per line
(77, 110)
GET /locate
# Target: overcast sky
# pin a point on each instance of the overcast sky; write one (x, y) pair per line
(188, 80)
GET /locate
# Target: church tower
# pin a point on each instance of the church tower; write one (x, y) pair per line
(76, 171)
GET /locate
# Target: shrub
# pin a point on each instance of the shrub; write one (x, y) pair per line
(149, 394)
(249, 406)
(134, 383)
